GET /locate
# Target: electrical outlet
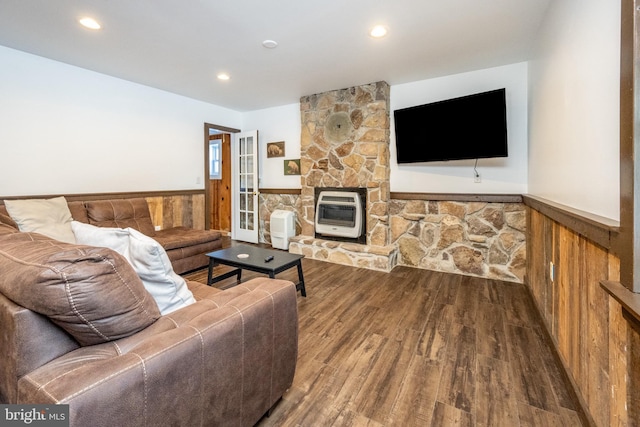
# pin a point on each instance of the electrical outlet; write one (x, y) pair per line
(158, 227)
(552, 271)
(477, 178)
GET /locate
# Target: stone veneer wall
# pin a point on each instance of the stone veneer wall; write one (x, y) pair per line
(471, 238)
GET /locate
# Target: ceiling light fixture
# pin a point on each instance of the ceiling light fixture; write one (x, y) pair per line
(270, 44)
(378, 31)
(89, 23)
(223, 76)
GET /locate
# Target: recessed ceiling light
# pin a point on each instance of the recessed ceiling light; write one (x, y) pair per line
(270, 44)
(223, 76)
(89, 23)
(378, 31)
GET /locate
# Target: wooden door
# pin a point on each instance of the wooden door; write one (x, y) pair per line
(220, 189)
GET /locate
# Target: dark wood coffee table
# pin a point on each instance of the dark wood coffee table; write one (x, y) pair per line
(254, 261)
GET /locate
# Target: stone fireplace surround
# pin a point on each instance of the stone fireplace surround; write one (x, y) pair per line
(345, 143)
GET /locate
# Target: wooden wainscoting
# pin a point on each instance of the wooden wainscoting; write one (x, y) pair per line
(594, 340)
(175, 210)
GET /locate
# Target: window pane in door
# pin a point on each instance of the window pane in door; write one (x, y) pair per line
(250, 221)
(250, 182)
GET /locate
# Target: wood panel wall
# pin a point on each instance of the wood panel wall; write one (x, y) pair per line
(176, 210)
(597, 343)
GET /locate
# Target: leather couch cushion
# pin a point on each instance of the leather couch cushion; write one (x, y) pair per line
(181, 237)
(148, 259)
(50, 217)
(78, 211)
(90, 292)
(121, 213)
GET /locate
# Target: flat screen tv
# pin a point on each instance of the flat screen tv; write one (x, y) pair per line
(469, 127)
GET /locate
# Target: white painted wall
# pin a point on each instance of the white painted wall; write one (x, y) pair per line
(501, 175)
(574, 107)
(66, 130)
(276, 124)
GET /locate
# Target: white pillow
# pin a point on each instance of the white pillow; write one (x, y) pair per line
(148, 259)
(50, 217)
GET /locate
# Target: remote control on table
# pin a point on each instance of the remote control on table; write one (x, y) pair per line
(269, 258)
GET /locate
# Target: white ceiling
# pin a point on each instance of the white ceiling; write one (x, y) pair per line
(180, 45)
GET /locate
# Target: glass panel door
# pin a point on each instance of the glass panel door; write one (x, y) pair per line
(246, 213)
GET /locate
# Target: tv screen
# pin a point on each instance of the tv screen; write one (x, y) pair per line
(469, 127)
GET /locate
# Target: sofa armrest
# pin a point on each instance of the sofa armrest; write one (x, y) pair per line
(28, 340)
(224, 360)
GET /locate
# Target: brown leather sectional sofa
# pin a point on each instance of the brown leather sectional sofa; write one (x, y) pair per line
(186, 247)
(77, 327)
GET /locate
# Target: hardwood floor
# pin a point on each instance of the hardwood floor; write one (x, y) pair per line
(418, 348)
